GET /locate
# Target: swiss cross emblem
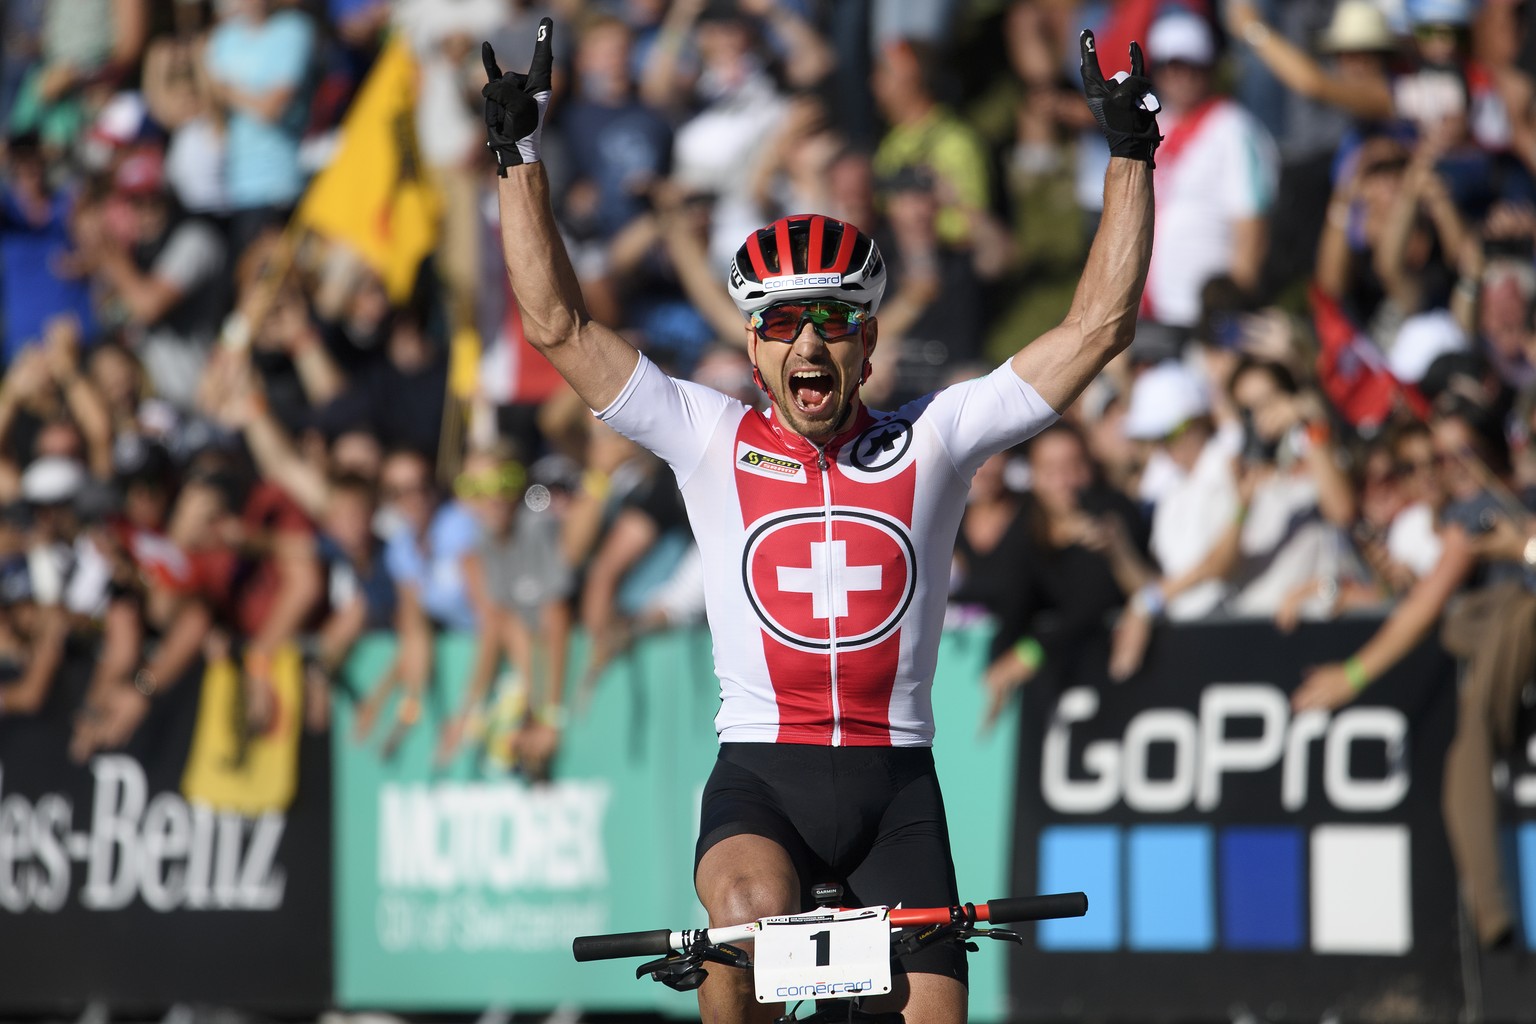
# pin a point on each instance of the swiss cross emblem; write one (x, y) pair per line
(811, 575)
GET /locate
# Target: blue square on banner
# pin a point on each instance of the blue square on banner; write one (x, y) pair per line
(1086, 858)
(1171, 902)
(1261, 888)
(1528, 882)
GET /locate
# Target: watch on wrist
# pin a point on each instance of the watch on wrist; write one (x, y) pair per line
(1150, 600)
(1528, 554)
(1255, 33)
(146, 682)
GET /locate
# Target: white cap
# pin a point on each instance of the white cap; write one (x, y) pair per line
(52, 480)
(1181, 36)
(121, 118)
(1163, 399)
(1357, 26)
(1420, 341)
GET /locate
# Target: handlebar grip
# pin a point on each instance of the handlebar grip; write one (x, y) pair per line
(622, 944)
(1037, 908)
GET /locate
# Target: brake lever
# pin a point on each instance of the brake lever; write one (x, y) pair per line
(684, 972)
(1000, 934)
(952, 933)
(678, 972)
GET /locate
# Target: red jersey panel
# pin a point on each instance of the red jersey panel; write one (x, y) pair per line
(828, 565)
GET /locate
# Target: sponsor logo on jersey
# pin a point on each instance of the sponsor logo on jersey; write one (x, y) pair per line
(809, 579)
(752, 460)
(881, 445)
(774, 284)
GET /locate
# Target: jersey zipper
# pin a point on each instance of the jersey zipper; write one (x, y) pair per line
(826, 509)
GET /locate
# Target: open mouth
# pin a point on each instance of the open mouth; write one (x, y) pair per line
(811, 391)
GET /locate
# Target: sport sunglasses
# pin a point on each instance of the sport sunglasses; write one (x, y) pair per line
(830, 320)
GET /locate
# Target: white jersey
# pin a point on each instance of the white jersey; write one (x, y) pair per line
(827, 569)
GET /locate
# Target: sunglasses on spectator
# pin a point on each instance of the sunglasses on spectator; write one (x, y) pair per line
(1433, 31)
(1408, 467)
(831, 320)
(505, 481)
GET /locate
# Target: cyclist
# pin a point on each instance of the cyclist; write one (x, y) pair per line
(830, 526)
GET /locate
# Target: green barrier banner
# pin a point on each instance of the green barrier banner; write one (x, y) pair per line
(461, 887)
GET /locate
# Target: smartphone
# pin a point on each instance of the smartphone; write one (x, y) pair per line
(1255, 448)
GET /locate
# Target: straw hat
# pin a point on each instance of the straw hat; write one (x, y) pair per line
(1357, 26)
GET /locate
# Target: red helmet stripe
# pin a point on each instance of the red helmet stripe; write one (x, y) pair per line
(844, 251)
(813, 251)
(786, 254)
(755, 250)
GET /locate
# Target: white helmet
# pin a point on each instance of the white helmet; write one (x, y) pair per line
(807, 256)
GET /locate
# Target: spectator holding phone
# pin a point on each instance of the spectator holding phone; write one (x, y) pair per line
(1495, 298)
(1299, 499)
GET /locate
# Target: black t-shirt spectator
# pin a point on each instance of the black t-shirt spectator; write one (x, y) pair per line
(403, 409)
(1060, 596)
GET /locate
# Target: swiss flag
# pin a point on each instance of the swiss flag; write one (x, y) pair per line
(1352, 371)
(527, 378)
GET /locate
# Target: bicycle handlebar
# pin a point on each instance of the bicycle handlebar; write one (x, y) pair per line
(1035, 908)
(661, 942)
(611, 947)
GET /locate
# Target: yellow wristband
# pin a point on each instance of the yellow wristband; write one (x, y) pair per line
(1355, 674)
(596, 483)
(1030, 653)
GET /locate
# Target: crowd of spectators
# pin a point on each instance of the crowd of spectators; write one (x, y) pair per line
(218, 439)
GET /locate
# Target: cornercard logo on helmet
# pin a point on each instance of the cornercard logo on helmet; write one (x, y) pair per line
(774, 284)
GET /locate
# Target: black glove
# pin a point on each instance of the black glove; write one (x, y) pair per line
(1127, 121)
(515, 103)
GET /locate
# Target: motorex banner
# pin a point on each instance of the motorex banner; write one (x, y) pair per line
(462, 887)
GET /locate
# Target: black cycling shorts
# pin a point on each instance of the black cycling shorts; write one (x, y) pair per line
(868, 818)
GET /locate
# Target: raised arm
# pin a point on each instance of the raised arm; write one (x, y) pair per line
(1368, 98)
(1102, 320)
(1333, 685)
(593, 358)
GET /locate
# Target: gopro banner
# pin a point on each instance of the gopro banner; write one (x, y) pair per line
(115, 888)
(1239, 858)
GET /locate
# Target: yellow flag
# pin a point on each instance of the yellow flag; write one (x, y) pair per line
(374, 195)
(227, 768)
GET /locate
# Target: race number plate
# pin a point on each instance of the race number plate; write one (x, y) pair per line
(825, 954)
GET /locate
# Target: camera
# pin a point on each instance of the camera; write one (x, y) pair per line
(1255, 447)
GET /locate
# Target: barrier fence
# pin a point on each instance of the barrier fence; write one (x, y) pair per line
(114, 888)
(1237, 858)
